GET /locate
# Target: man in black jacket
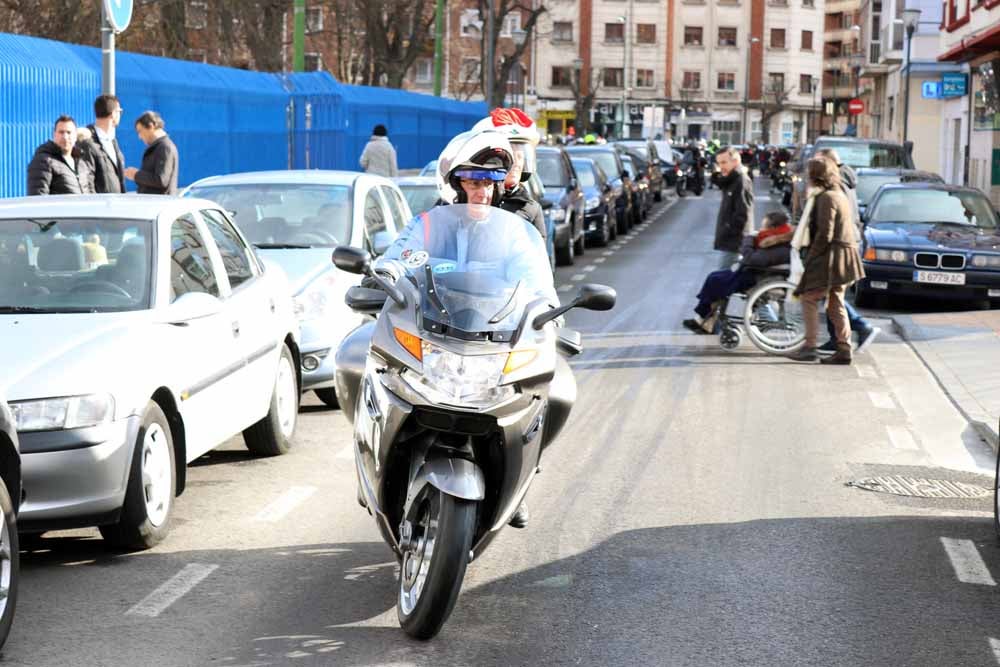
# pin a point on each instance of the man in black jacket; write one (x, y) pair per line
(735, 218)
(102, 150)
(158, 175)
(57, 168)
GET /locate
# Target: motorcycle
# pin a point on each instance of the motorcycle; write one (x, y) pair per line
(781, 182)
(454, 390)
(689, 178)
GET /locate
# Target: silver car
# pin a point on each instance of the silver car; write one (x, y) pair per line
(296, 219)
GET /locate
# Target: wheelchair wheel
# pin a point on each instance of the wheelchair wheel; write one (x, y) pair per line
(730, 338)
(773, 320)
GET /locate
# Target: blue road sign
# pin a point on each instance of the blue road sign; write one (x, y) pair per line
(931, 90)
(954, 84)
(119, 13)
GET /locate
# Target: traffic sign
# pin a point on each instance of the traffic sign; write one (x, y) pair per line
(954, 84)
(119, 13)
(930, 90)
(855, 106)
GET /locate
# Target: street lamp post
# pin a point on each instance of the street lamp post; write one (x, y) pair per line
(746, 90)
(624, 21)
(815, 83)
(578, 70)
(911, 17)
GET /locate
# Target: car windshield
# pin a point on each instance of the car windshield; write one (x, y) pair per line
(934, 206)
(550, 170)
(629, 165)
(869, 184)
(585, 173)
(664, 150)
(639, 149)
(420, 197)
(606, 160)
(286, 214)
(476, 267)
(859, 154)
(72, 265)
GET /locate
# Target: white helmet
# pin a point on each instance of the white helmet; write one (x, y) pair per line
(481, 155)
(520, 130)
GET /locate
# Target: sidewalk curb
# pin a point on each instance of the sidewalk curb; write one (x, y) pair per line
(985, 426)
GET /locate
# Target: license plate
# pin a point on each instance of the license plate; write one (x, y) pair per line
(939, 277)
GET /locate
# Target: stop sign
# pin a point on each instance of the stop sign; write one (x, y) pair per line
(855, 106)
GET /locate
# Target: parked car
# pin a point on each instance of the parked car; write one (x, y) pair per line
(870, 180)
(599, 201)
(421, 192)
(667, 161)
(537, 192)
(430, 169)
(877, 153)
(646, 158)
(295, 219)
(611, 162)
(642, 198)
(10, 501)
(140, 332)
(930, 239)
(562, 189)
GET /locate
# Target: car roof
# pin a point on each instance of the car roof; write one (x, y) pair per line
(944, 187)
(549, 149)
(289, 176)
(896, 171)
(141, 207)
(582, 148)
(415, 180)
(857, 140)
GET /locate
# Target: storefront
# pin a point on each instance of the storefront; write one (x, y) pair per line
(556, 121)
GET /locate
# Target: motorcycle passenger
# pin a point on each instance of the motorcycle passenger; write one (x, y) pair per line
(522, 133)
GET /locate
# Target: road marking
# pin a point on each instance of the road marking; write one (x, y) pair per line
(901, 438)
(347, 453)
(171, 590)
(578, 276)
(590, 268)
(285, 503)
(881, 399)
(866, 372)
(565, 288)
(608, 253)
(968, 564)
(600, 260)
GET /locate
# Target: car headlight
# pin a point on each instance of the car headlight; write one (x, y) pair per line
(558, 214)
(470, 380)
(986, 261)
(313, 303)
(50, 414)
(873, 254)
(781, 164)
(593, 202)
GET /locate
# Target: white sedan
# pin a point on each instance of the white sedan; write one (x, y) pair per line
(139, 332)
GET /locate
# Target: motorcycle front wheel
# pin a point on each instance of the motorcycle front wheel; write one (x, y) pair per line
(433, 566)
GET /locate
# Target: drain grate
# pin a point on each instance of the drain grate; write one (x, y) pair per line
(919, 487)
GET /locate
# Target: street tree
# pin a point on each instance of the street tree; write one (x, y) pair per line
(774, 100)
(506, 62)
(65, 20)
(584, 96)
(397, 32)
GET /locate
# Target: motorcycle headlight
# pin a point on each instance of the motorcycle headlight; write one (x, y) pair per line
(51, 414)
(558, 214)
(313, 302)
(986, 261)
(593, 202)
(781, 164)
(472, 380)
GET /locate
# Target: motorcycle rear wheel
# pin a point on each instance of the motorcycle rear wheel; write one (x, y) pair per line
(433, 566)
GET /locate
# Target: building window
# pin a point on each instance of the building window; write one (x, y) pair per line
(196, 15)
(561, 77)
(807, 40)
(562, 31)
(471, 25)
(805, 84)
(470, 69)
(809, 3)
(726, 131)
(691, 81)
(725, 81)
(692, 36)
(776, 82)
(314, 19)
(423, 70)
(613, 77)
(645, 33)
(314, 62)
(644, 78)
(727, 36)
(777, 38)
(511, 24)
(614, 32)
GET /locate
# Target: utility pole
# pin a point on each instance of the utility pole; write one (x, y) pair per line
(107, 53)
(299, 37)
(490, 63)
(746, 91)
(438, 45)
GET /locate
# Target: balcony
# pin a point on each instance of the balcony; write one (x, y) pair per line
(842, 6)
(840, 91)
(874, 66)
(891, 41)
(839, 35)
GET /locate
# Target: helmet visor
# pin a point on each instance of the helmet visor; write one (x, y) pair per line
(481, 174)
(524, 155)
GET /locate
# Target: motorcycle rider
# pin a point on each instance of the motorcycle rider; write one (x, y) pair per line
(694, 158)
(522, 133)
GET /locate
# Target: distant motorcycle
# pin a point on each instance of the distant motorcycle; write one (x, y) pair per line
(690, 179)
(781, 182)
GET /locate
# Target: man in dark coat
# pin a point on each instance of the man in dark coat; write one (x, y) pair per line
(735, 218)
(57, 168)
(516, 197)
(102, 151)
(158, 175)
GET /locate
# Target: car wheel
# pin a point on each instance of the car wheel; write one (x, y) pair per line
(578, 245)
(606, 231)
(9, 563)
(659, 194)
(152, 486)
(564, 253)
(272, 435)
(622, 220)
(328, 396)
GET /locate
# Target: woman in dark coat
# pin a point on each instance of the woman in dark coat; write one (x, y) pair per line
(832, 263)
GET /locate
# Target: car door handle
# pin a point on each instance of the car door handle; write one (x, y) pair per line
(236, 329)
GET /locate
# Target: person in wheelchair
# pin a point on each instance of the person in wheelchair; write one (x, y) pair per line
(768, 247)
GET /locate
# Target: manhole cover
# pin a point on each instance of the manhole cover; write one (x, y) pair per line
(920, 488)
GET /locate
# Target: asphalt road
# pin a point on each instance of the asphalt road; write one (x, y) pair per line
(696, 511)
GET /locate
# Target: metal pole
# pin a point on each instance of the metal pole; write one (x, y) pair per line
(746, 95)
(815, 123)
(438, 46)
(107, 54)
(626, 119)
(299, 37)
(490, 53)
(906, 96)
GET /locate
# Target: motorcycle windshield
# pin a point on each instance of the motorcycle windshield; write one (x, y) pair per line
(476, 269)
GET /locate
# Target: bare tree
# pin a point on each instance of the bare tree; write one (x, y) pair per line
(774, 100)
(66, 20)
(584, 98)
(398, 32)
(507, 62)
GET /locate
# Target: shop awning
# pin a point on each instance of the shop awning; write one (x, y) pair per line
(973, 46)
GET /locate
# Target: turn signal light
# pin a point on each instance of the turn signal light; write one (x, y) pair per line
(409, 342)
(870, 254)
(519, 359)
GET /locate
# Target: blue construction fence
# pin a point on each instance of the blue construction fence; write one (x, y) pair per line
(223, 120)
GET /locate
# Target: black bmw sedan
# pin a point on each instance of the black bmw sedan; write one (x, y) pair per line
(932, 240)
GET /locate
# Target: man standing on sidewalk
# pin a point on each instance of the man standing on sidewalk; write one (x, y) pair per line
(102, 150)
(379, 157)
(735, 218)
(56, 168)
(158, 175)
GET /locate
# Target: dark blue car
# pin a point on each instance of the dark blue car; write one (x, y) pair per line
(599, 201)
(932, 240)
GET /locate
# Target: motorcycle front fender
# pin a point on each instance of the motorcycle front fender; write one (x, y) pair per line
(456, 477)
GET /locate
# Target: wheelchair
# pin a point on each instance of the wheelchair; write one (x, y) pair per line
(770, 317)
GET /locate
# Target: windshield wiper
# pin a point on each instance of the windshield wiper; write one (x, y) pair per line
(281, 246)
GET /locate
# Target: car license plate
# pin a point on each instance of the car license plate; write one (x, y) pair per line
(939, 277)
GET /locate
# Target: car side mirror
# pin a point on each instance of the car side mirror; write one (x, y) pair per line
(352, 260)
(192, 306)
(381, 242)
(590, 297)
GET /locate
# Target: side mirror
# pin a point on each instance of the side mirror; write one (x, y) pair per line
(590, 297)
(352, 260)
(381, 242)
(192, 306)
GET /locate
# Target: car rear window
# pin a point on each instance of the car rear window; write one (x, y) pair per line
(859, 154)
(585, 173)
(869, 185)
(606, 160)
(550, 170)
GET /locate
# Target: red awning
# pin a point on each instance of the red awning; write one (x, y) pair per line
(973, 46)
